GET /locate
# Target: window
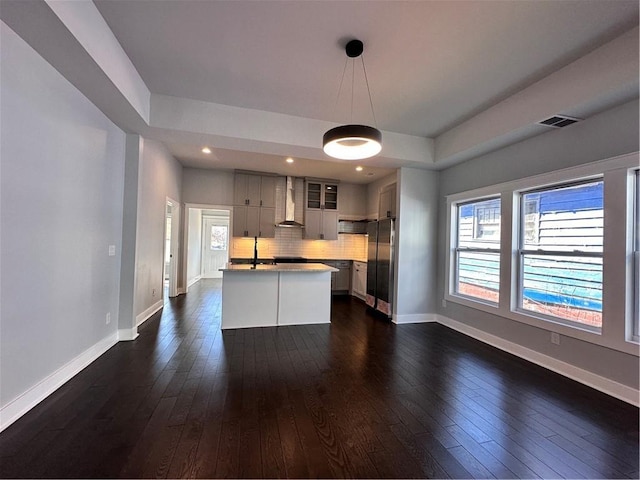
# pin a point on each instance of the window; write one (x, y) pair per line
(560, 253)
(219, 236)
(538, 251)
(487, 221)
(477, 250)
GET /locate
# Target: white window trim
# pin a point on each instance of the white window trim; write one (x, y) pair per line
(633, 216)
(618, 252)
(456, 249)
(521, 251)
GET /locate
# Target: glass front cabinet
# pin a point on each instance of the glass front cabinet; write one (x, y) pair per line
(321, 210)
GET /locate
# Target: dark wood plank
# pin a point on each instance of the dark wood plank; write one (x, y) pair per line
(271, 449)
(360, 398)
(228, 464)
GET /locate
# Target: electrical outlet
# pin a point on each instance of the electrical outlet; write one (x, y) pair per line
(112, 250)
(444, 302)
(108, 319)
(555, 338)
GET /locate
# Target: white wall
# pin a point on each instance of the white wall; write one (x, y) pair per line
(62, 175)
(194, 250)
(417, 198)
(160, 177)
(611, 133)
(207, 187)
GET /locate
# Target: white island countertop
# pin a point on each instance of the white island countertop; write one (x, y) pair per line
(281, 267)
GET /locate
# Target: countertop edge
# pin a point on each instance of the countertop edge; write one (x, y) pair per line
(283, 267)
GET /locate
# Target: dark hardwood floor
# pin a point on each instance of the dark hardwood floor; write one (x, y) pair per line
(356, 398)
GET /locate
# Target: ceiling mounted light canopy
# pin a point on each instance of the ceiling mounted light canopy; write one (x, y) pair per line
(353, 141)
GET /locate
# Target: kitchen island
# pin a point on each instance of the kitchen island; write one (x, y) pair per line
(273, 295)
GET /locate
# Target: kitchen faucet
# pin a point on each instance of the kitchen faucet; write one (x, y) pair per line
(255, 251)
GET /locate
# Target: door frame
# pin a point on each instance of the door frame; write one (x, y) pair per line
(174, 246)
(185, 234)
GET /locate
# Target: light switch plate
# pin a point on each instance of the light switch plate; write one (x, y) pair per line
(112, 250)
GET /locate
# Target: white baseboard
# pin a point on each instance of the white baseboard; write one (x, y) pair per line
(127, 334)
(17, 407)
(195, 279)
(148, 313)
(415, 318)
(605, 385)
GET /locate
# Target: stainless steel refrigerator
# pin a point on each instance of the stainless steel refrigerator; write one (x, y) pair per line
(380, 267)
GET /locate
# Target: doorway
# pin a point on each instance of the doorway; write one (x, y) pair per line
(207, 237)
(170, 270)
(215, 245)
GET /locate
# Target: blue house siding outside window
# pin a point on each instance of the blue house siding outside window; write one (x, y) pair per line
(560, 251)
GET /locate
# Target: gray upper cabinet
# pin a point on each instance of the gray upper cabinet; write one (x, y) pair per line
(254, 199)
(267, 222)
(246, 190)
(321, 210)
(387, 203)
(353, 201)
(246, 221)
(321, 196)
(268, 192)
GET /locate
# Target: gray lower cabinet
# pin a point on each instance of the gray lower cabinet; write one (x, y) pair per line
(359, 279)
(340, 280)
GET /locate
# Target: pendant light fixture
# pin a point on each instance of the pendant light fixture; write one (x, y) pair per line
(353, 142)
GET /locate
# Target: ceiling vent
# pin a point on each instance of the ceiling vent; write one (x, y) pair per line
(559, 121)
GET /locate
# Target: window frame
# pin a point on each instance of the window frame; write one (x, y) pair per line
(634, 318)
(457, 249)
(618, 303)
(522, 251)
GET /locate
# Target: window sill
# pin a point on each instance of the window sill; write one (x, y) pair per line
(585, 335)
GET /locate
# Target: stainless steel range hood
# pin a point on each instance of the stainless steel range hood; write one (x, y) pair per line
(289, 208)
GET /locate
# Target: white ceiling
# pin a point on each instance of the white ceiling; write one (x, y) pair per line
(431, 65)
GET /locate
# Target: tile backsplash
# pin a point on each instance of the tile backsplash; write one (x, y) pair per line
(289, 243)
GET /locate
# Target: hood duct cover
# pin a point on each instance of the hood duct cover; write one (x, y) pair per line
(290, 207)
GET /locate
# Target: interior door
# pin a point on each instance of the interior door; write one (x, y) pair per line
(215, 246)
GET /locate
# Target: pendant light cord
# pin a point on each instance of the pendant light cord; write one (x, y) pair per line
(344, 70)
(353, 77)
(353, 80)
(366, 79)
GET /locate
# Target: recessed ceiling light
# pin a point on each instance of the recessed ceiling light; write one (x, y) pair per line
(359, 169)
(206, 150)
(289, 160)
